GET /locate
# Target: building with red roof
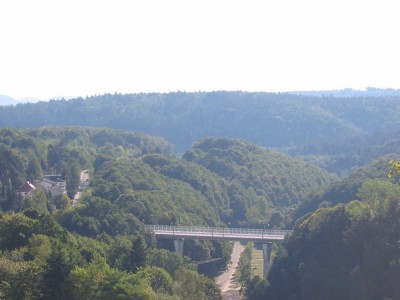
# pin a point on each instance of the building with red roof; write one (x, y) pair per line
(26, 189)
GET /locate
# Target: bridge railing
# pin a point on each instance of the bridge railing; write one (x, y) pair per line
(216, 230)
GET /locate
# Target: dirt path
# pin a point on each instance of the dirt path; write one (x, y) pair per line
(227, 280)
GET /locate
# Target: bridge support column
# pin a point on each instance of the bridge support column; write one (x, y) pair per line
(267, 256)
(178, 246)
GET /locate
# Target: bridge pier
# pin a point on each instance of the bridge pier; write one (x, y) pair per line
(178, 246)
(267, 256)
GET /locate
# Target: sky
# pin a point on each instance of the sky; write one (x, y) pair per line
(55, 48)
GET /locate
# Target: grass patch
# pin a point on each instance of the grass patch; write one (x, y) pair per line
(257, 263)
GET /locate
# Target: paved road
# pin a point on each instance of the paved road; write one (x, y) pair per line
(227, 280)
(84, 176)
(83, 185)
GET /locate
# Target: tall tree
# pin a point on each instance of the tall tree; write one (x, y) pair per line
(137, 256)
(34, 170)
(73, 178)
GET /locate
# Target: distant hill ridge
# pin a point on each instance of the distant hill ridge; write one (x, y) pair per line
(7, 100)
(267, 119)
(349, 93)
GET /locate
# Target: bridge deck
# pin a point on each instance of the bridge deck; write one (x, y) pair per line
(218, 233)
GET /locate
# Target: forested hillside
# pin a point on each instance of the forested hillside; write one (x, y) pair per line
(267, 119)
(344, 190)
(344, 252)
(134, 180)
(264, 183)
(346, 154)
(96, 247)
(27, 155)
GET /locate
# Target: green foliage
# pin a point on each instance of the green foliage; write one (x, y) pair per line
(28, 154)
(257, 288)
(135, 187)
(19, 279)
(12, 166)
(338, 252)
(190, 285)
(40, 246)
(99, 281)
(15, 230)
(34, 170)
(96, 216)
(60, 202)
(243, 270)
(212, 290)
(342, 191)
(262, 183)
(136, 257)
(345, 252)
(268, 119)
(58, 267)
(168, 260)
(395, 170)
(344, 155)
(159, 280)
(213, 187)
(36, 200)
(72, 178)
(376, 192)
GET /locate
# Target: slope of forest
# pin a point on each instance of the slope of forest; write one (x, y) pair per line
(26, 155)
(267, 119)
(134, 180)
(344, 252)
(210, 185)
(97, 247)
(264, 183)
(346, 154)
(344, 190)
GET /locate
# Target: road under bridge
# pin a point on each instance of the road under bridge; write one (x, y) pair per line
(180, 233)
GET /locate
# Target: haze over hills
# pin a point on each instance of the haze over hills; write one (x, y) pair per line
(125, 117)
(135, 178)
(350, 93)
(7, 100)
(266, 119)
(344, 155)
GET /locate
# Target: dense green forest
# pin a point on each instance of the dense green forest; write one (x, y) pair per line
(267, 119)
(97, 248)
(345, 155)
(345, 190)
(327, 176)
(264, 184)
(344, 252)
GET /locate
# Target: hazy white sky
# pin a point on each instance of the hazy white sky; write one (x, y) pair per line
(83, 47)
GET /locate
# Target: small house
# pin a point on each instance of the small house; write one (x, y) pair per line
(26, 189)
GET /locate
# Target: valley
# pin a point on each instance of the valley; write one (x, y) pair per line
(264, 161)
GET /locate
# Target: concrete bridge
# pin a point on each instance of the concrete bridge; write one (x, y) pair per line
(179, 233)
